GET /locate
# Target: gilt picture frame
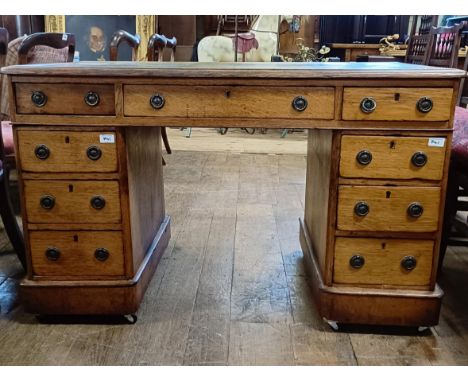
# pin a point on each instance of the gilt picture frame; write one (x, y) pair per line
(93, 33)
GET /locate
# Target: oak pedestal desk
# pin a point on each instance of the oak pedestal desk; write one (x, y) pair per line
(89, 157)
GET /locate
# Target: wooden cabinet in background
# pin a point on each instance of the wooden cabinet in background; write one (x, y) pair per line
(19, 25)
(182, 27)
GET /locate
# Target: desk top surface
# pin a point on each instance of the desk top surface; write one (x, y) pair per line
(291, 70)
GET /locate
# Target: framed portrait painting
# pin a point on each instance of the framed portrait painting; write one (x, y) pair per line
(93, 33)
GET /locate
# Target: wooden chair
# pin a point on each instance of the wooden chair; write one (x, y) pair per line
(154, 44)
(117, 38)
(444, 43)
(7, 213)
(34, 49)
(463, 93)
(155, 52)
(444, 52)
(417, 51)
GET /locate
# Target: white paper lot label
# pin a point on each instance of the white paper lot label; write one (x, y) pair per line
(436, 142)
(106, 138)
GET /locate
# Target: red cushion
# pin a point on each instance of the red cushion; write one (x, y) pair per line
(7, 135)
(460, 136)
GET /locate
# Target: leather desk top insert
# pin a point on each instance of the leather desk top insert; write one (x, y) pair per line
(89, 157)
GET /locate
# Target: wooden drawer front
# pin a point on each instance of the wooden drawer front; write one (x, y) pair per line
(392, 157)
(397, 104)
(384, 261)
(65, 99)
(67, 151)
(78, 253)
(229, 101)
(72, 201)
(388, 208)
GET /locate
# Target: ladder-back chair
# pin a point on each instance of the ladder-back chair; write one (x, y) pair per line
(156, 46)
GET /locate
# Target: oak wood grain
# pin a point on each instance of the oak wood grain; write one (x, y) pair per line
(77, 250)
(72, 201)
(391, 157)
(244, 70)
(228, 102)
(145, 188)
(67, 151)
(397, 104)
(65, 99)
(399, 307)
(382, 261)
(388, 208)
(318, 187)
(239, 121)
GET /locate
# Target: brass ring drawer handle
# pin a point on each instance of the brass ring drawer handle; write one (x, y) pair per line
(408, 263)
(101, 254)
(419, 159)
(38, 98)
(356, 261)
(361, 209)
(42, 152)
(364, 157)
(368, 105)
(424, 104)
(94, 152)
(92, 99)
(47, 202)
(157, 101)
(415, 210)
(52, 253)
(98, 202)
(299, 103)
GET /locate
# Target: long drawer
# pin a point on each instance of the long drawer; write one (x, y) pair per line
(72, 201)
(76, 99)
(380, 208)
(383, 261)
(397, 104)
(229, 101)
(67, 151)
(80, 253)
(390, 157)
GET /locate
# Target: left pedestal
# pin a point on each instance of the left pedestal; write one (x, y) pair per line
(93, 216)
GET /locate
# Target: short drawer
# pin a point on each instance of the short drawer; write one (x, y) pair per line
(229, 101)
(54, 201)
(397, 104)
(380, 208)
(75, 99)
(388, 157)
(80, 253)
(383, 261)
(67, 151)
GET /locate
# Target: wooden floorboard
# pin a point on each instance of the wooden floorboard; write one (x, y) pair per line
(230, 288)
